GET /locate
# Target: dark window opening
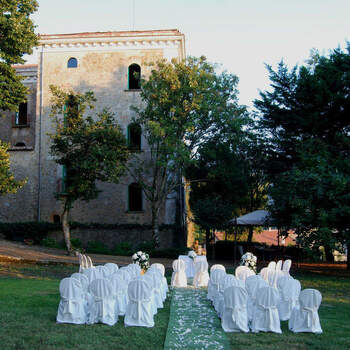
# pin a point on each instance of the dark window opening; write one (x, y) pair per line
(134, 75)
(134, 137)
(20, 144)
(135, 197)
(72, 63)
(21, 115)
(56, 219)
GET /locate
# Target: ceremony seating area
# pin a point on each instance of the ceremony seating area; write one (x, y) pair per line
(99, 294)
(258, 302)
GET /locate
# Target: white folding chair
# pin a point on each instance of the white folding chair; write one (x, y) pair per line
(215, 278)
(89, 262)
(305, 317)
(102, 307)
(92, 274)
(273, 276)
(112, 267)
(161, 268)
(279, 265)
(234, 316)
(265, 314)
(264, 273)
(289, 289)
(72, 306)
(217, 267)
(178, 278)
(157, 283)
(228, 281)
(138, 311)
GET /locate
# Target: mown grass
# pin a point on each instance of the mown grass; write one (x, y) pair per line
(29, 298)
(334, 315)
(28, 308)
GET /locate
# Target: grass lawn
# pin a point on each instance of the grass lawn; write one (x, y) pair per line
(29, 298)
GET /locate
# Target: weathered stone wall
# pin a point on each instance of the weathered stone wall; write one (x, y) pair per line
(112, 237)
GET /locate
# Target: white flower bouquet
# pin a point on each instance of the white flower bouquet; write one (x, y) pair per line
(192, 254)
(249, 260)
(141, 259)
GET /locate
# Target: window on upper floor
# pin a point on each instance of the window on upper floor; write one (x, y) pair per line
(134, 137)
(21, 117)
(134, 77)
(72, 63)
(135, 197)
(20, 144)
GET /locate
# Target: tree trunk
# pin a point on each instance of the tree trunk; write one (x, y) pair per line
(348, 256)
(66, 228)
(155, 226)
(329, 254)
(207, 243)
(250, 235)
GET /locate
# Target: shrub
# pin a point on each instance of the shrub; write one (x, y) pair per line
(170, 253)
(35, 231)
(146, 246)
(76, 242)
(123, 249)
(49, 242)
(97, 247)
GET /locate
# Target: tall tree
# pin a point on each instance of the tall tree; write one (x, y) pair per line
(90, 149)
(305, 118)
(17, 38)
(184, 103)
(8, 184)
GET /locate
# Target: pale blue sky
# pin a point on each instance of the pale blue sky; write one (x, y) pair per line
(240, 35)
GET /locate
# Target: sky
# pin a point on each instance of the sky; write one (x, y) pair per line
(241, 35)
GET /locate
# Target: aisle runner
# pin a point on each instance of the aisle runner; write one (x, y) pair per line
(193, 323)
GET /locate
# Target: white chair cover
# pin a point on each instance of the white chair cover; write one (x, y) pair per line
(92, 274)
(189, 265)
(272, 265)
(178, 278)
(84, 281)
(72, 306)
(126, 274)
(112, 267)
(286, 266)
(264, 273)
(215, 278)
(102, 307)
(157, 284)
(289, 290)
(305, 317)
(279, 265)
(252, 284)
(85, 262)
(161, 268)
(138, 311)
(81, 263)
(217, 267)
(136, 269)
(201, 277)
(265, 314)
(234, 317)
(227, 281)
(120, 293)
(273, 277)
(242, 272)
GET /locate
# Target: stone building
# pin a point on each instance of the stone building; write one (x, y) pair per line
(105, 63)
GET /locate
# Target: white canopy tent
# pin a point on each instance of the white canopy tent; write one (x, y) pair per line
(255, 218)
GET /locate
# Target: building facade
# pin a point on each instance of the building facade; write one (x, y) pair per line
(109, 64)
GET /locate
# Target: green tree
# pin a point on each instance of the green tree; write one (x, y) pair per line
(184, 103)
(8, 184)
(305, 118)
(17, 38)
(90, 149)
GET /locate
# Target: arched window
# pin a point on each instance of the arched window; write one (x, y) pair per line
(134, 74)
(135, 197)
(134, 137)
(72, 63)
(21, 116)
(20, 144)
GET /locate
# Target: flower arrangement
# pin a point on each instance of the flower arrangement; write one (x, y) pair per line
(141, 259)
(249, 260)
(192, 254)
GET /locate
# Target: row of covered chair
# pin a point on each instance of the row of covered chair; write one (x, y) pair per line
(248, 302)
(85, 262)
(179, 278)
(102, 293)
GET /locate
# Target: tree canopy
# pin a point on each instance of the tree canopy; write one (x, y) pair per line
(17, 38)
(305, 119)
(184, 104)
